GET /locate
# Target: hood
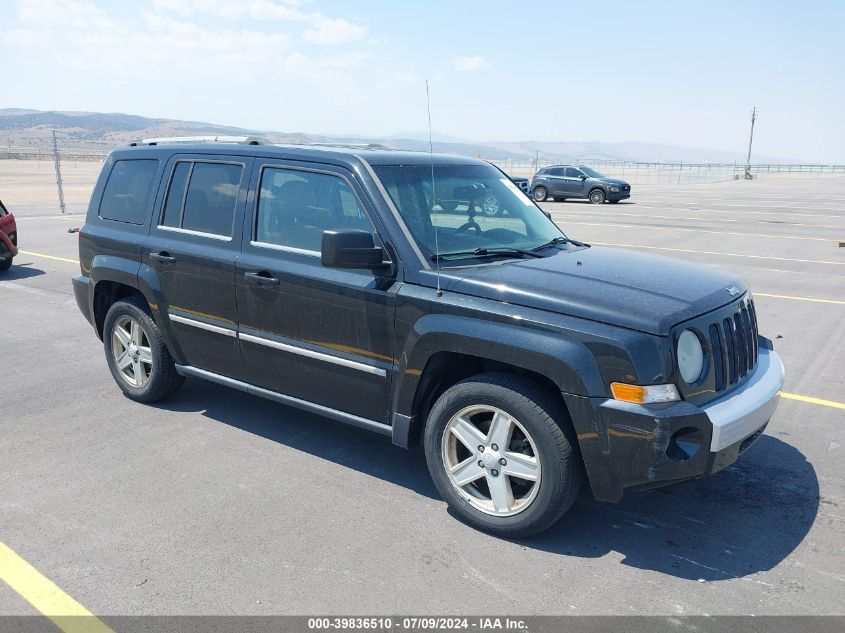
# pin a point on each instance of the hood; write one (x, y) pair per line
(635, 290)
(611, 181)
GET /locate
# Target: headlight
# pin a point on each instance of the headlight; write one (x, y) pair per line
(614, 189)
(690, 357)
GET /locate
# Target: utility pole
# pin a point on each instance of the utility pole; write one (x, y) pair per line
(750, 140)
(57, 163)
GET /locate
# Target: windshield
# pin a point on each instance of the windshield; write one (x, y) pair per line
(592, 173)
(470, 207)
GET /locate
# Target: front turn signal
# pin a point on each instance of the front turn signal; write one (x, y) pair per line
(644, 395)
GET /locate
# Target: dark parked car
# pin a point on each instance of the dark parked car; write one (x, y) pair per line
(526, 363)
(8, 238)
(568, 181)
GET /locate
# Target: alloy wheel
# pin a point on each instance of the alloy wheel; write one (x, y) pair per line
(491, 460)
(491, 206)
(131, 349)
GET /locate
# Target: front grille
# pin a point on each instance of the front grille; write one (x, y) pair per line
(733, 341)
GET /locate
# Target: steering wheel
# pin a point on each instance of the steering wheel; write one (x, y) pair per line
(472, 224)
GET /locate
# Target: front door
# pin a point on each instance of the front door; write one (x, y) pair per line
(323, 335)
(192, 247)
(573, 183)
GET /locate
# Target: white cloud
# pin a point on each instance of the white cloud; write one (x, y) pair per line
(468, 63)
(334, 31)
(67, 14)
(256, 9)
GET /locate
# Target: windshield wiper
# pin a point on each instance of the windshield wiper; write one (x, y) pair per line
(560, 239)
(493, 251)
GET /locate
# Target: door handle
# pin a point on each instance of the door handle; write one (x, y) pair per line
(261, 279)
(164, 257)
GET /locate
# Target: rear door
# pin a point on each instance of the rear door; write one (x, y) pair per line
(323, 335)
(193, 243)
(555, 180)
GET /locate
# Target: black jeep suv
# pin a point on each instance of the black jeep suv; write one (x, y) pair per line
(568, 181)
(526, 363)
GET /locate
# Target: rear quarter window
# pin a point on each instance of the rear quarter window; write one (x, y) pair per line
(128, 190)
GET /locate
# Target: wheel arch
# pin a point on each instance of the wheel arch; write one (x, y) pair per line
(444, 350)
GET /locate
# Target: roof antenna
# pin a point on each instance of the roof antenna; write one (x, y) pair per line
(433, 191)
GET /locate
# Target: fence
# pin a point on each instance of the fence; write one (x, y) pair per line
(637, 173)
(662, 173)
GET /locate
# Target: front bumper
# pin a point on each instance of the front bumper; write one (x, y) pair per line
(616, 196)
(638, 447)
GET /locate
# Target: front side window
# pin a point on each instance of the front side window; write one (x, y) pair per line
(571, 172)
(592, 173)
(128, 191)
(202, 197)
(452, 206)
(296, 206)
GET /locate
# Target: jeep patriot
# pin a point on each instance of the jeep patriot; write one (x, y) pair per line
(525, 363)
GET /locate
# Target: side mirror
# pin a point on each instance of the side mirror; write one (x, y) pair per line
(583, 177)
(547, 214)
(350, 248)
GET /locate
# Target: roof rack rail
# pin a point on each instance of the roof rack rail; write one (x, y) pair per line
(239, 140)
(347, 145)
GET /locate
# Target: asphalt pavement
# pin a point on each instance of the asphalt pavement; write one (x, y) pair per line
(215, 502)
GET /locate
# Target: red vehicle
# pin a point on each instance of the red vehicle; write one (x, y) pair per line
(8, 238)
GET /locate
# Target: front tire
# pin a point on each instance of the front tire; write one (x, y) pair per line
(540, 194)
(597, 196)
(5, 265)
(138, 359)
(500, 450)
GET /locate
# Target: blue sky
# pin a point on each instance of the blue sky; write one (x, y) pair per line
(678, 72)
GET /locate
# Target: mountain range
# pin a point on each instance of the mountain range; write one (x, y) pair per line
(96, 130)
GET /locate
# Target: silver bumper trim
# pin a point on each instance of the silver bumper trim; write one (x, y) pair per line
(741, 412)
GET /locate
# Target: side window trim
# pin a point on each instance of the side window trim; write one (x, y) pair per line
(253, 231)
(179, 229)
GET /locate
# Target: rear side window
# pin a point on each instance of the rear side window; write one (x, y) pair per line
(295, 207)
(556, 171)
(202, 197)
(128, 191)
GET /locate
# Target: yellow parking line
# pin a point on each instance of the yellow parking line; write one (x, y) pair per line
(65, 612)
(69, 216)
(59, 259)
(695, 230)
(764, 294)
(686, 250)
(824, 403)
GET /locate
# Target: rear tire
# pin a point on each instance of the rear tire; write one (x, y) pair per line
(540, 194)
(537, 441)
(597, 196)
(138, 359)
(491, 206)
